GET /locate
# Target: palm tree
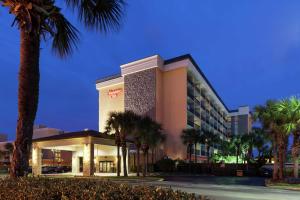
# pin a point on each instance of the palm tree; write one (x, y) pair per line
(138, 145)
(260, 142)
(150, 134)
(273, 122)
(291, 108)
(128, 121)
(137, 142)
(209, 139)
(190, 137)
(42, 19)
(113, 125)
(157, 138)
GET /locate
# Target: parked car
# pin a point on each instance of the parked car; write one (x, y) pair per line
(63, 169)
(48, 170)
(266, 171)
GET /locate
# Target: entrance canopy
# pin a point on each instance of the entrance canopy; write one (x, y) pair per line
(91, 150)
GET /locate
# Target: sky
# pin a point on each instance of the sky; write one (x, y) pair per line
(249, 50)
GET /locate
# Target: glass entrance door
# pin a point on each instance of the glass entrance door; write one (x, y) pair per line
(106, 166)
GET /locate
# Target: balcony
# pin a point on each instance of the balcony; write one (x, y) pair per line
(190, 123)
(190, 93)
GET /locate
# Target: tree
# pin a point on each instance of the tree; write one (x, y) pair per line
(157, 138)
(291, 108)
(113, 124)
(150, 136)
(42, 19)
(209, 138)
(273, 122)
(190, 137)
(128, 121)
(260, 142)
(138, 145)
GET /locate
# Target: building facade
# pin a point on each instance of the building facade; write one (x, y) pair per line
(240, 120)
(173, 92)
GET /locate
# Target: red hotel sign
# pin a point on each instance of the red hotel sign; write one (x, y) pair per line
(113, 93)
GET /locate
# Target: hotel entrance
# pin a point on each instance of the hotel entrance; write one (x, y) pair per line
(106, 167)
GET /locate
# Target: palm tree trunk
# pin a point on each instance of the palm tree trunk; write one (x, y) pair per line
(275, 157)
(296, 167)
(190, 154)
(207, 153)
(295, 154)
(195, 153)
(152, 156)
(145, 163)
(281, 152)
(124, 153)
(152, 159)
(138, 161)
(208, 160)
(28, 93)
(190, 158)
(118, 161)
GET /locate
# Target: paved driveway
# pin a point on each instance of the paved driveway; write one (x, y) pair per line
(228, 188)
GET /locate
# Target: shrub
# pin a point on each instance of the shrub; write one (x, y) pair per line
(77, 188)
(165, 165)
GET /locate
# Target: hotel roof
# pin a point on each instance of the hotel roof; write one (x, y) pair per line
(173, 60)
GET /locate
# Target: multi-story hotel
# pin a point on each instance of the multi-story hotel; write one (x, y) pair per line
(175, 93)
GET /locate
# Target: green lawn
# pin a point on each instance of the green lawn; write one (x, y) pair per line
(283, 185)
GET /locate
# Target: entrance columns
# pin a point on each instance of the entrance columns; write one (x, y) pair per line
(75, 162)
(36, 161)
(88, 159)
(127, 163)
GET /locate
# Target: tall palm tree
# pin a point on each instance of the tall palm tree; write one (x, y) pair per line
(190, 137)
(128, 121)
(113, 125)
(150, 134)
(273, 122)
(209, 138)
(157, 138)
(138, 145)
(136, 133)
(42, 19)
(291, 108)
(260, 142)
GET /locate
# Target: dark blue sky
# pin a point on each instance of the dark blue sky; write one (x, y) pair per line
(249, 50)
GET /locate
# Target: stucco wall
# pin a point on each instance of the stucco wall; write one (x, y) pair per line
(174, 109)
(109, 103)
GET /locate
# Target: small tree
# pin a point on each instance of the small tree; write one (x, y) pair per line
(190, 137)
(209, 138)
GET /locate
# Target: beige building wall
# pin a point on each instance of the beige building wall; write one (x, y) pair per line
(174, 109)
(111, 98)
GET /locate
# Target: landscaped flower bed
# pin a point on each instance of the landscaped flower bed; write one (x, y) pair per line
(87, 189)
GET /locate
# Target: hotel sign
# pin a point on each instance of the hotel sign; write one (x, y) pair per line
(113, 93)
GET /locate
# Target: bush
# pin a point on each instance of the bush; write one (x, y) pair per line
(165, 165)
(72, 188)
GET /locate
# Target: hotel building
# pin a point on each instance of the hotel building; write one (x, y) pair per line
(175, 93)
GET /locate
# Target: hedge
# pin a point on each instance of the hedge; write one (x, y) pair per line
(79, 189)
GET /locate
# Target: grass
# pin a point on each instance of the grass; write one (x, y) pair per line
(282, 185)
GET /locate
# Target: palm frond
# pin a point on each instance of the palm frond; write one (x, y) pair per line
(65, 35)
(100, 15)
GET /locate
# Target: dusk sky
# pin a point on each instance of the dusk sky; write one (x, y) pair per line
(249, 50)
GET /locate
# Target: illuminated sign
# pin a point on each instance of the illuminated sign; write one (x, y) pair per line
(113, 93)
